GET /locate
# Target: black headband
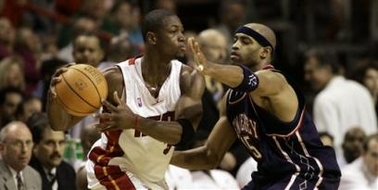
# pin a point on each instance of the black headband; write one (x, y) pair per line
(255, 35)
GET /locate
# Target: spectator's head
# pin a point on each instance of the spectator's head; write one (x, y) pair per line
(84, 25)
(7, 32)
(48, 144)
(370, 153)
(352, 144)
(28, 107)
(88, 49)
(163, 32)
(169, 5)
(10, 98)
(26, 39)
(213, 44)
(320, 66)
(326, 138)
(16, 145)
(124, 13)
(366, 73)
(12, 73)
(89, 135)
(120, 49)
(95, 9)
(232, 13)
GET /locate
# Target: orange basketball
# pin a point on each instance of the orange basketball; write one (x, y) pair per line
(81, 89)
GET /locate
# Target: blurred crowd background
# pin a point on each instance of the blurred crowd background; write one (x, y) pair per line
(39, 36)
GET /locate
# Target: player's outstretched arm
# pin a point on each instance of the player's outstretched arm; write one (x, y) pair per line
(211, 154)
(59, 119)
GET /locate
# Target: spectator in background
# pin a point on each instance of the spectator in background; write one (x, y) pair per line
(232, 14)
(12, 73)
(47, 69)
(89, 135)
(28, 46)
(340, 104)
(88, 49)
(16, 145)
(47, 156)
(363, 172)
(352, 145)
(366, 73)
(125, 16)
(81, 25)
(214, 46)
(10, 98)
(120, 49)
(28, 107)
(7, 37)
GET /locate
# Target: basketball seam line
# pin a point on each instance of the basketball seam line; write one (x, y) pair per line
(69, 86)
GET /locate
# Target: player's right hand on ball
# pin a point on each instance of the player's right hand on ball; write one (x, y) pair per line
(57, 78)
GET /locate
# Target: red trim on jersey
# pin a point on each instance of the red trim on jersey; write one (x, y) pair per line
(111, 176)
(269, 66)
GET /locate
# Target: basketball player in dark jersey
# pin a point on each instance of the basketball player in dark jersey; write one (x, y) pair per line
(267, 113)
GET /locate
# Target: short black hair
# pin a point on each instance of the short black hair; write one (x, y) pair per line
(325, 57)
(7, 90)
(37, 124)
(154, 21)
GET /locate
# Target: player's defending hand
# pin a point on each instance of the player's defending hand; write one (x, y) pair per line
(199, 58)
(56, 78)
(119, 117)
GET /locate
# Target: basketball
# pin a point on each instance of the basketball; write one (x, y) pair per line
(81, 89)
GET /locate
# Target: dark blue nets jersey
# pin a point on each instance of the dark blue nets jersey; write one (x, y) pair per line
(289, 155)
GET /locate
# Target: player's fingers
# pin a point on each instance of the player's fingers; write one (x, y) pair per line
(117, 99)
(108, 105)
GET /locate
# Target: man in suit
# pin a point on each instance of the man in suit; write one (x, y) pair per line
(15, 149)
(47, 155)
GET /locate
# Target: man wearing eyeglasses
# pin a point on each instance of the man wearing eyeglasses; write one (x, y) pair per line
(16, 145)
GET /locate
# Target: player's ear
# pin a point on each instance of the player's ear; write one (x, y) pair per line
(265, 52)
(151, 38)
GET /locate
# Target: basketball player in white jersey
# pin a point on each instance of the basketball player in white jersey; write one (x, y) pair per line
(154, 103)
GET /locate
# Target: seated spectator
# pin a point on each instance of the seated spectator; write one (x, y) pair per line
(363, 172)
(10, 98)
(366, 73)
(352, 145)
(341, 103)
(89, 135)
(47, 156)
(16, 145)
(28, 107)
(7, 37)
(12, 73)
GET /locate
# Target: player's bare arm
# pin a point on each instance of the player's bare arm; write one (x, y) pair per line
(60, 120)
(268, 88)
(188, 111)
(212, 152)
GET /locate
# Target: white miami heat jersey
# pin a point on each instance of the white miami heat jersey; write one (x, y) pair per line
(144, 156)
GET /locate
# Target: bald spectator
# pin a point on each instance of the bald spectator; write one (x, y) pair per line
(16, 145)
(214, 46)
